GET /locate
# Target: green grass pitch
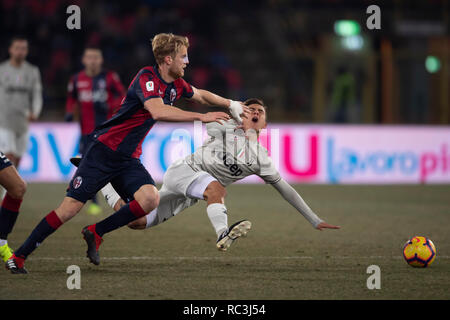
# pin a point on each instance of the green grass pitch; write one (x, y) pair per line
(282, 257)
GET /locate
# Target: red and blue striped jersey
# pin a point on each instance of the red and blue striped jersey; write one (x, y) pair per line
(97, 98)
(127, 129)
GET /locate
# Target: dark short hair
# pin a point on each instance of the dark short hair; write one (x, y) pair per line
(17, 38)
(255, 101)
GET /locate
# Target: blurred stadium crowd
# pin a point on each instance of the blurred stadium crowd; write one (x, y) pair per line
(284, 51)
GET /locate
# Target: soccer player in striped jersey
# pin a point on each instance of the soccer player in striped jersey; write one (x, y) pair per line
(113, 155)
(230, 154)
(95, 94)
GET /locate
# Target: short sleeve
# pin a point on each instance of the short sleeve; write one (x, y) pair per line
(187, 92)
(146, 86)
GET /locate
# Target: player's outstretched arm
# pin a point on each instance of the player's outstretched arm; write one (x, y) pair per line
(162, 112)
(291, 196)
(205, 97)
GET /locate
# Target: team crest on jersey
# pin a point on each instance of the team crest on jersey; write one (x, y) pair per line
(173, 95)
(77, 182)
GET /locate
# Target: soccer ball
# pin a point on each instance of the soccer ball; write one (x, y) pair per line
(419, 252)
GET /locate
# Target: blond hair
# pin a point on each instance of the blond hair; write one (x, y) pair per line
(167, 44)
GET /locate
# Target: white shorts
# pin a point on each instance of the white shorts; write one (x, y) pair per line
(182, 187)
(14, 143)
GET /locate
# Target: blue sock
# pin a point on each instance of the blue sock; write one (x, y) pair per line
(120, 218)
(8, 215)
(46, 227)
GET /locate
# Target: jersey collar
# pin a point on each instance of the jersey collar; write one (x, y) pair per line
(155, 67)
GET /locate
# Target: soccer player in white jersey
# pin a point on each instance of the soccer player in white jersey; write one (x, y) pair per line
(231, 154)
(20, 100)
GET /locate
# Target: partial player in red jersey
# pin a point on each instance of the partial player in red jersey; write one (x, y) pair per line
(95, 94)
(113, 155)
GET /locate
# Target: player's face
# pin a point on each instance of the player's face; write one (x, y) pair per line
(19, 50)
(92, 60)
(179, 62)
(256, 120)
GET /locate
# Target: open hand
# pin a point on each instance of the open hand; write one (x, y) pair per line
(214, 117)
(245, 112)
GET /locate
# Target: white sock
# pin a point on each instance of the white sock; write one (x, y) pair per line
(3, 242)
(151, 218)
(217, 213)
(111, 196)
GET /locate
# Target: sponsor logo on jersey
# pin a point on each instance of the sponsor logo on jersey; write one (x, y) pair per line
(100, 95)
(82, 84)
(230, 163)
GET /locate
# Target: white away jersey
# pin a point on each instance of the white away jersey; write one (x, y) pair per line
(20, 95)
(229, 155)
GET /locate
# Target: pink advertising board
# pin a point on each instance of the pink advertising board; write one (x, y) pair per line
(352, 154)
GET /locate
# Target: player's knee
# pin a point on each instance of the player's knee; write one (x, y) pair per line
(223, 192)
(215, 192)
(148, 198)
(68, 209)
(150, 202)
(19, 189)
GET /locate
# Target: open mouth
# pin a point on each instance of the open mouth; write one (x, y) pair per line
(255, 119)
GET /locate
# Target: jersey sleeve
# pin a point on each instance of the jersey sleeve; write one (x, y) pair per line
(146, 86)
(267, 170)
(188, 92)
